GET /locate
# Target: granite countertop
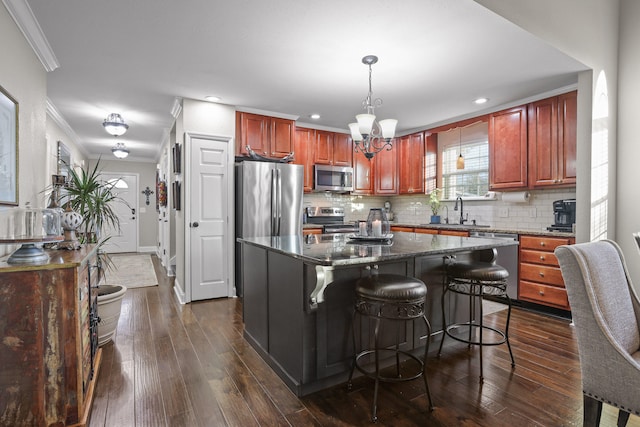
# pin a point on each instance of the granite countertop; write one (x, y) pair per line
(486, 228)
(339, 250)
(470, 227)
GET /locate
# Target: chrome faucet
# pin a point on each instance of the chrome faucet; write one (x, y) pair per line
(455, 208)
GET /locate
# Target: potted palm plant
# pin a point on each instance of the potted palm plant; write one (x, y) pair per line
(434, 204)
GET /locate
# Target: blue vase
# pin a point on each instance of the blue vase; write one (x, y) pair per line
(435, 219)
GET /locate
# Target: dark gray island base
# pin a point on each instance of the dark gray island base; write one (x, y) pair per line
(299, 297)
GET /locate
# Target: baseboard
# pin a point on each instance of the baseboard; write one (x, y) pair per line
(177, 289)
(147, 249)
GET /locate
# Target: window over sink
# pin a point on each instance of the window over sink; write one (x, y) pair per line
(473, 180)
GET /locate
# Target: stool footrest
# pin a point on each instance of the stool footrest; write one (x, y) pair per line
(501, 334)
(372, 374)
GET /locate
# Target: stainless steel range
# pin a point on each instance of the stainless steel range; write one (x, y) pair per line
(331, 219)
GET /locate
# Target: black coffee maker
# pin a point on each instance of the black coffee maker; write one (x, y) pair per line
(564, 213)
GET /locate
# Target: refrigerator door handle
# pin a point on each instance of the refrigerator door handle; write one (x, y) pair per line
(274, 203)
(278, 201)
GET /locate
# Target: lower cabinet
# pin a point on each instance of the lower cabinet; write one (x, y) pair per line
(540, 277)
(50, 354)
(420, 230)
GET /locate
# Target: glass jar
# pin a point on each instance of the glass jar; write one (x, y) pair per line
(377, 223)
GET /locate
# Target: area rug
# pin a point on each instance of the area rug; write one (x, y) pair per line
(131, 270)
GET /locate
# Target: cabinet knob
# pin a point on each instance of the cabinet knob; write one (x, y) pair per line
(542, 244)
(541, 274)
(541, 293)
(542, 258)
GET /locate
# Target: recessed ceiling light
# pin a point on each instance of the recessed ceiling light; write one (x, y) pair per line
(212, 98)
(315, 116)
(481, 100)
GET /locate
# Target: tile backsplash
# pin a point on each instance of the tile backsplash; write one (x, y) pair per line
(534, 214)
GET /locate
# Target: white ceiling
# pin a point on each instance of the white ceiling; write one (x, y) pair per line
(285, 56)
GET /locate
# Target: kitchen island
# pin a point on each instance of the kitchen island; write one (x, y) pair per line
(299, 296)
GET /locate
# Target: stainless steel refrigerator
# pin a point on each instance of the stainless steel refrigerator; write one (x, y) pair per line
(268, 203)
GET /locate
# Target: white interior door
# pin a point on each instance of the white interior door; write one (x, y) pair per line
(208, 216)
(125, 240)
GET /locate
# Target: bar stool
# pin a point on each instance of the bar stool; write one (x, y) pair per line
(389, 297)
(476, 279)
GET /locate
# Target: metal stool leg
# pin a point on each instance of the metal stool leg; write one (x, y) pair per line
(444, 319)
(374, 417)
(506, 330)
(355, 347)
(480, 329)
(424, 366)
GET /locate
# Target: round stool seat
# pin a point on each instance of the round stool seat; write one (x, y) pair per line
(480, 271)
(391, 288)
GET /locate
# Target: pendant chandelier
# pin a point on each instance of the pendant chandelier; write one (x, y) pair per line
(371, 137)
(460, 161)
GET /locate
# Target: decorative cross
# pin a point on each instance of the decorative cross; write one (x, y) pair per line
(147, 192)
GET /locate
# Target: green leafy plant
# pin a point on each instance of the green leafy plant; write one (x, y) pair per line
(434, 200)
(94, 199)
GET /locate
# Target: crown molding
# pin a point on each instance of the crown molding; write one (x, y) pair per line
(56, 117)
(176, 108)
(24, 18)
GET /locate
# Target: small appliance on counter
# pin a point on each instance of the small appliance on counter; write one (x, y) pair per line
(564, 214)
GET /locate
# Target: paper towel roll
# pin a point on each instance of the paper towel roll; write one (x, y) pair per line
(516, 197)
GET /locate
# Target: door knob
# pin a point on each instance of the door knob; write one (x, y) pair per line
(195, 224)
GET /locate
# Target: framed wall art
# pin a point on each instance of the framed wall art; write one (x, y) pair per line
(8, 149)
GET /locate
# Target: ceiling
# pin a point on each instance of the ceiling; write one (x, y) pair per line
(287, 57)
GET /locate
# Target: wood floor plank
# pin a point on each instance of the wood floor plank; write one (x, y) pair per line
(189, 365)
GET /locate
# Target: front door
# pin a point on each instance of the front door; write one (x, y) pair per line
(126, 188)
(209, 249)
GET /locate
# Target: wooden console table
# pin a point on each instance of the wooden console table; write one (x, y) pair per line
(49, 357)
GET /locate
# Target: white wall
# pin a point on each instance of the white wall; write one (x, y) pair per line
(24, 78)
(204, 118)
(628, 154)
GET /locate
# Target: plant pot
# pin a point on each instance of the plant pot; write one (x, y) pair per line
(109, 304)
(435, 219)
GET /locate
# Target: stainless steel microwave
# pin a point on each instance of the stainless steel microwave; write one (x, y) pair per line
(333, 178)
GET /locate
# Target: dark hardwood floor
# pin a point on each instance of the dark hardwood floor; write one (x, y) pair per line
(188, 365)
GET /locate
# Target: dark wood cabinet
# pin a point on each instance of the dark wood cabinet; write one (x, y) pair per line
(386, 171)
(333, 148)
(431, 162)
(49, 355)
(508, 149)
(342, 149)
(267, 136)
(552, 141)
(362, 174)
(540, 278)
(411, 163)
(303, 148)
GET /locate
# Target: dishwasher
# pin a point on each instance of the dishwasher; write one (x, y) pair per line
(507, 257)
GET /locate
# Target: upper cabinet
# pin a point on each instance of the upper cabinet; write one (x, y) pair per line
(386, 170)
(303, 149)
(411, 165)
(552, 141)
(362, 174)
(431, 162)
(267, 136)
(333, 148)
(508, 149)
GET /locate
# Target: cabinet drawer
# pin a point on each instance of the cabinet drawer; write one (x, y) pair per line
(542, 274)
(543, 294)
(454, 233)
(538, 257)
(542, 243)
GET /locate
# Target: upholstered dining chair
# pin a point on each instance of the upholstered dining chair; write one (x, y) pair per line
(606, 313)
